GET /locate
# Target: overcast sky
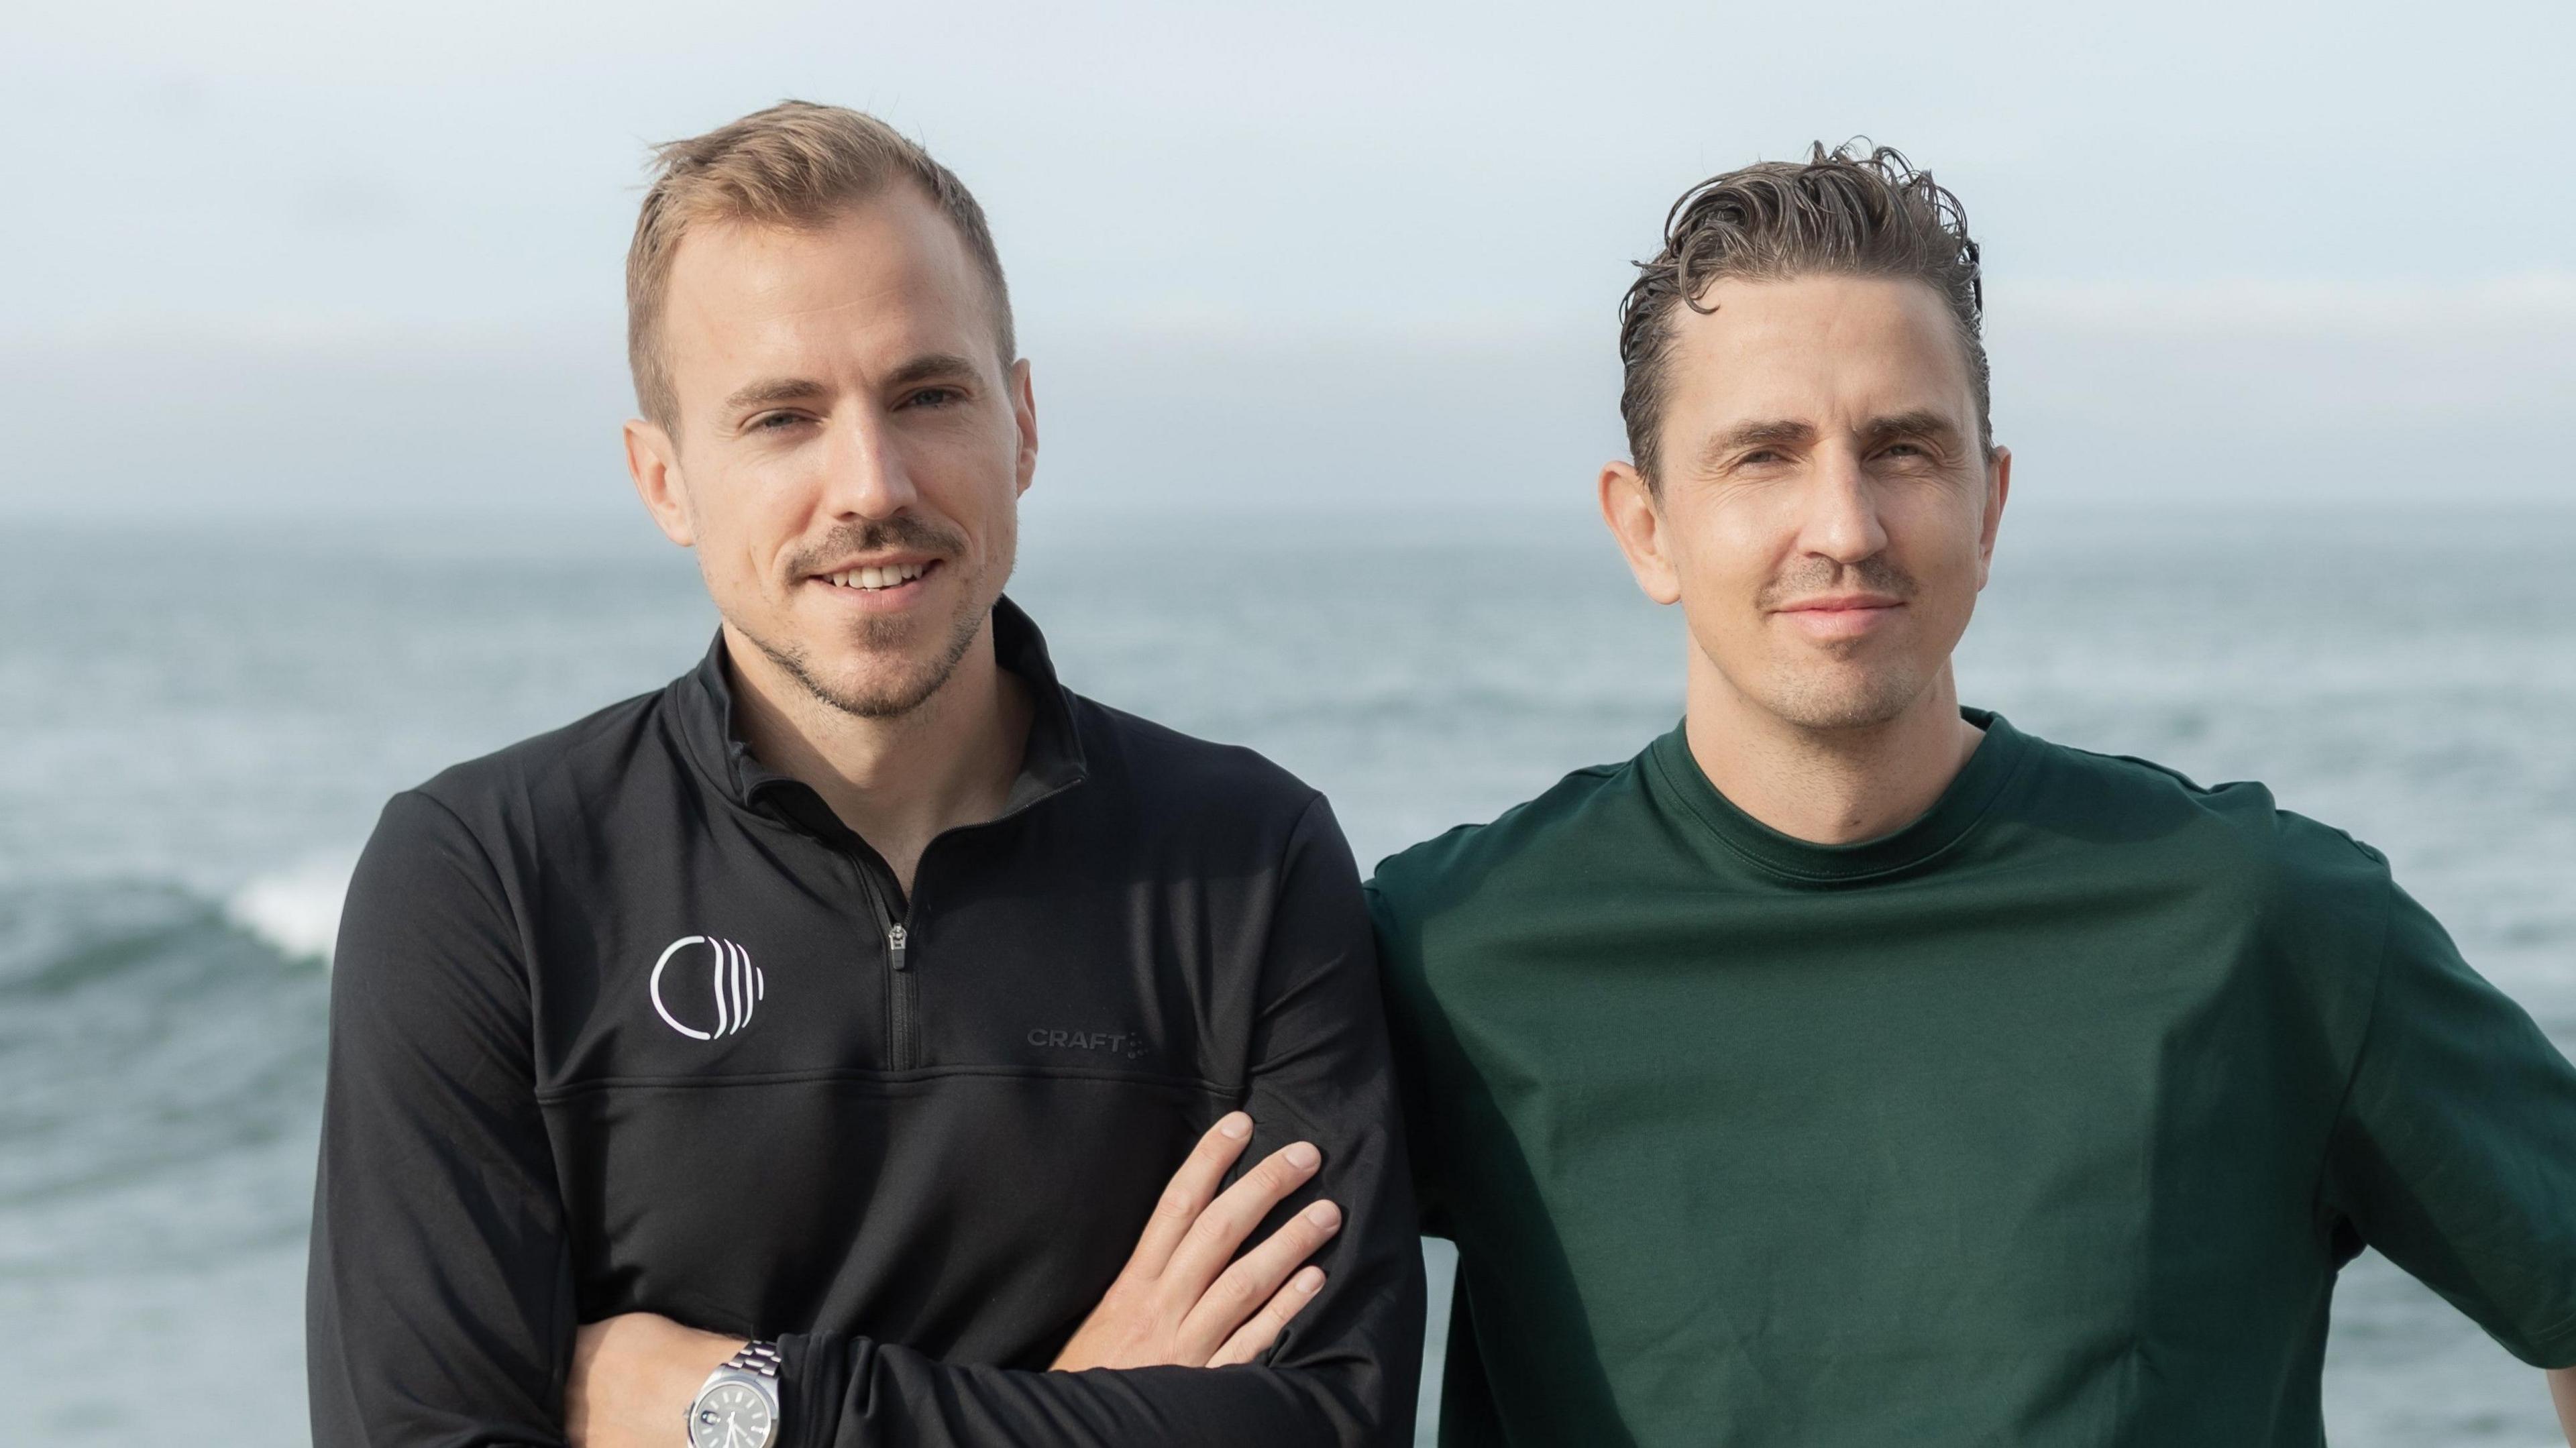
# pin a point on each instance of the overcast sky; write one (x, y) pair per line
(298, 259)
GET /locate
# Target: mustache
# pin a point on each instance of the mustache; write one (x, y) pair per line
(877, 535)
(1813, 575)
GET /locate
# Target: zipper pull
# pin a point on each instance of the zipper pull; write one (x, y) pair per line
(895, 940)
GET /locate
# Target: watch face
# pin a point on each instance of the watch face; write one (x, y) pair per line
(730, 1415)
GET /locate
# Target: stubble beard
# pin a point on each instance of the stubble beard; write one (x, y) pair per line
(896, 697)
(1849, 693)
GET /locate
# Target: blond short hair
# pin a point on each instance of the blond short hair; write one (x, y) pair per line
(793, 165)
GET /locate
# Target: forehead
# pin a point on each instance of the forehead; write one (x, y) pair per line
(1816, 348)
(882, 280)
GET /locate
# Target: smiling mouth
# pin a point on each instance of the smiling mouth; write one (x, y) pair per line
(878, 579)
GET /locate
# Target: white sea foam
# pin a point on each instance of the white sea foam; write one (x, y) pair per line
(297, 910)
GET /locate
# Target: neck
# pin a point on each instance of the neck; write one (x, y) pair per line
(897, 782)
(1827, 786)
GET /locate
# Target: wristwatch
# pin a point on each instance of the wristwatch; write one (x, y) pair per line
(737, 1407)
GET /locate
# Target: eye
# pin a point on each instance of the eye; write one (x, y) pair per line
(776, 421)
(936, 397)
(1761, 455)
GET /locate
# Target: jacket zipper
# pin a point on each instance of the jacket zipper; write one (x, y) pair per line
(903, 987)
(902, 1002)
(902, 999)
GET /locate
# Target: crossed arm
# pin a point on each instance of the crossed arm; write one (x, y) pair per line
(1184, 1299)
(441, 1296)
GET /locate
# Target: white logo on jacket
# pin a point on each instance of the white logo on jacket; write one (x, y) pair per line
(736, 983)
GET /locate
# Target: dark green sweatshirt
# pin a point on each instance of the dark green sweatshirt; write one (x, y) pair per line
(2047, 1119)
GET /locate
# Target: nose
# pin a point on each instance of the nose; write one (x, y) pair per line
(865, 475)
(1841, 519)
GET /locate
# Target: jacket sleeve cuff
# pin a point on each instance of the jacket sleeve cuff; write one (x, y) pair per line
(813, 1383)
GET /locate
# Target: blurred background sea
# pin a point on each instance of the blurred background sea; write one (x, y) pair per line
(200, 724)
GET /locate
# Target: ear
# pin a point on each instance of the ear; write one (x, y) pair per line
(1024, 412)
(1998, 490)
(653, 461)
(1636, 519)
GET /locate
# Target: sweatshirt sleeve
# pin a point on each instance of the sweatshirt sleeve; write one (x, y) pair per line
(1345, 1370)
(1415, 1038)
(439, 1301)
(2455, 1152)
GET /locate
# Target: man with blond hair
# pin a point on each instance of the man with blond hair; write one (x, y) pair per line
(820, 1049)
(1851, 1069)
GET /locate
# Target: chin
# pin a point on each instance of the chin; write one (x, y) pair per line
(875, 674)
(1844, 699)
(878, 686)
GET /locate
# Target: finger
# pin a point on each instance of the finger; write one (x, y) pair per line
(1189, 1191)
(1255, 1337)
(1221, 1229)
(1255, 1278)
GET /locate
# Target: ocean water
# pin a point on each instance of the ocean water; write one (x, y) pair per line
(199, 727)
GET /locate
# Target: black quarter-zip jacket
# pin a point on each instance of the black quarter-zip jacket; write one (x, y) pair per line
(623, 1021)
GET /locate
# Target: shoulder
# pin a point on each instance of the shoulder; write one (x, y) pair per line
(580, 762)
(1551, 841)
(1245, 839)
(2233, 836)
(2128, 786)
(488, 826)
(1177, 780)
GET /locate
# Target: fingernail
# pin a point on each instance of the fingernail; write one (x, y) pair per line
(1324, 1214)
(1304, 1157)
(1236, 1125)
(1311, 1281)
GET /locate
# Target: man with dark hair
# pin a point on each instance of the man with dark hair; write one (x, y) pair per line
(1851, 1068)
(795, 1055)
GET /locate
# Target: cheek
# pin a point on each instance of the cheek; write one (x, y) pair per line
(972, 482)
(1723, 555)
(747, 523)
(1938, 547)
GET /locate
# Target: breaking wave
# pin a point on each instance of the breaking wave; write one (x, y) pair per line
(297, 910)
(160, 1070)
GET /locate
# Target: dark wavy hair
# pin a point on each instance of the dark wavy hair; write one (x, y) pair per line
(1839, 212)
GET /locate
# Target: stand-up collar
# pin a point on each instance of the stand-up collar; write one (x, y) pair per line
(711, 731)
(1980, 782)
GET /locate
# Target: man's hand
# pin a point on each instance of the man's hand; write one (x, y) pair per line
(633, 1378)
(1178, 1301)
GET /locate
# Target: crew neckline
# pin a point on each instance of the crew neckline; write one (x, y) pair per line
(1996, 761)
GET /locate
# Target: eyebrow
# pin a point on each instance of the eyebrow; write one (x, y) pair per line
(1747, 436)
(1922, 423)
(931, 365)
(1787, 433)
(771, 391)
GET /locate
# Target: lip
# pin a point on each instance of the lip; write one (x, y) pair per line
(1842, 615)
(879, 600)
(872, 560)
